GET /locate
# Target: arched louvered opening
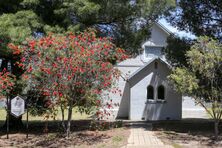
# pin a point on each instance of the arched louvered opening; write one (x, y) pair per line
(161, 92)
(155, 65)
(150, 92)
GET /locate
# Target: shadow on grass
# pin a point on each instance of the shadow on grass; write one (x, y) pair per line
(54, 126)
(38, 126)
(189, 129)
(81, 134)
(187, 125)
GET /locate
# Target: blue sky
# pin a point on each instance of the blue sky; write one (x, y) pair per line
(175, 30)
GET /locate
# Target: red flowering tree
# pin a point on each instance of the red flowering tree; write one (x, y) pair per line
(71, 70)
(7, 82)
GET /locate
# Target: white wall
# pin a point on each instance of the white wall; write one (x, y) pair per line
(158, 37)
(122, 99)
(140, 108)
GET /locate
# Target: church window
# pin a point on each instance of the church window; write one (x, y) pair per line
(150, 92)
(161, 92)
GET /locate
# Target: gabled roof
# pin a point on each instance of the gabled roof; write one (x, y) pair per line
(131, 62)
(146, 65)
(163, 28)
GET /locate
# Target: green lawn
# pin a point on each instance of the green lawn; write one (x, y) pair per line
(76, 116)
(2, 114)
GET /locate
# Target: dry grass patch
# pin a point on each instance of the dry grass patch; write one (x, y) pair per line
(188, 133)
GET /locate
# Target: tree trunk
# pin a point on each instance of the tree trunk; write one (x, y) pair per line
(69, 118)
(216, 130)
(63, 118)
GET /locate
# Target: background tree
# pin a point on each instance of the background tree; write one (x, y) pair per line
(201, 17)
(16, 28)
(176, 49)
(123, 20)
(202, 79)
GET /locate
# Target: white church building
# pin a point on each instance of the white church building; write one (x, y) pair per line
(146, 92)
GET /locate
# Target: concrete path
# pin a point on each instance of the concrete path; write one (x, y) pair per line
(142, 136)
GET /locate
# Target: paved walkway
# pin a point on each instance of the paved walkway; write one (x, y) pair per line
(142, 136)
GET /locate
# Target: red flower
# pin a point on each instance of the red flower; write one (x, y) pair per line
(30, 69)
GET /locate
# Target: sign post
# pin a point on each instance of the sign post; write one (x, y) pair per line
(27, 121)
(17, 109)
(7, 105)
